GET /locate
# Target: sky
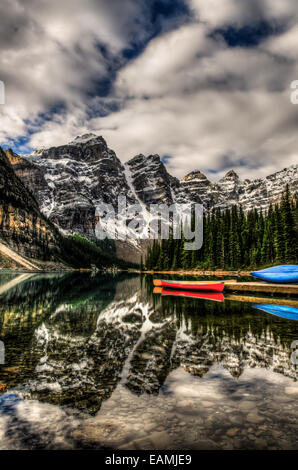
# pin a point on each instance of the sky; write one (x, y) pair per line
(203, 83)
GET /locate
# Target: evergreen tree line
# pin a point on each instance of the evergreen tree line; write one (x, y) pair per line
(235, 240)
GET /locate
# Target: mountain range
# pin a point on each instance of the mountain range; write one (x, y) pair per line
(23, 227)
(69, 181)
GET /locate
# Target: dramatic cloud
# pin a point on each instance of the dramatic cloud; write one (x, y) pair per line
(219, 13)
(207, 105)
(154, 77)
(53, 54)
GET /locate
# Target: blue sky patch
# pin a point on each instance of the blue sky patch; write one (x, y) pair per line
(249, 35)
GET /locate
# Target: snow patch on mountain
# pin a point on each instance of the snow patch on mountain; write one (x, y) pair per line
(71, 180)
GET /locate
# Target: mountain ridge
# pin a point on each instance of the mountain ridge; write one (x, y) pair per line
(22, 226)
(27, 234)
(69, 181)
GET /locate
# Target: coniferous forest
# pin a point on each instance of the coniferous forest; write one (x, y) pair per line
(235, 240)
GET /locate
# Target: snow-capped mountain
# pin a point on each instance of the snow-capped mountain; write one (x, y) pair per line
(69, 182)
(232, 190)
(22, 226)
(77, 177)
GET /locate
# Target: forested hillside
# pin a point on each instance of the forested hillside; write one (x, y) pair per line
(25, 229)
(235, 240)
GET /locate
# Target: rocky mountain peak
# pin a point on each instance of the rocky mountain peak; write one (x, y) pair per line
(149, 179)
(88, 139)
(69, 182)
(76, 178)
(12, 157)
(195, 175)
(196, 187)
(230, 175)
(22, 226)
(141, 160)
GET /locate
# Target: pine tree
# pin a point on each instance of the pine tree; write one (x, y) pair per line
(289, 230)
(233, 240)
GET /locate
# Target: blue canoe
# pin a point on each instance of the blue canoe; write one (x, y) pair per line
(282, 311)
(286, 274)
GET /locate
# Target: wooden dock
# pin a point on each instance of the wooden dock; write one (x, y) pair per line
(262, 287)
(289, 302)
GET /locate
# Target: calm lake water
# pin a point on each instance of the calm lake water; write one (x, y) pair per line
(102, 362)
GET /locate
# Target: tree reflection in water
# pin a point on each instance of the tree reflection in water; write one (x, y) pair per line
(77, 340)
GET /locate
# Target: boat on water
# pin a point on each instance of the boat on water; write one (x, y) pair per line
(215, 296)
(285, 274)
(282, 311)
(214, 286)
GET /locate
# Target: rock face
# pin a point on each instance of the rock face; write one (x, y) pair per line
(69, 182)
(231, 190)
(77, 176)
(31, 175)
(149, 180)
(199, 188)
(22, 225)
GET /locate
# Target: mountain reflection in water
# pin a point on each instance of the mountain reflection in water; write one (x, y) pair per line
(98, 351)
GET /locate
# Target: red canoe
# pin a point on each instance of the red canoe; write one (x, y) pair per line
(214, 286)
(216, 296)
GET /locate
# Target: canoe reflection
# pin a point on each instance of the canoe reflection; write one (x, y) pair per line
(216, 296)
(282, 311)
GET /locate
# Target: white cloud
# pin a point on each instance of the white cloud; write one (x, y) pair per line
(285, 45)
(209, 131)
(207, 105)
(164, 65)
(220, 13)
(50, 53)
(187, 95)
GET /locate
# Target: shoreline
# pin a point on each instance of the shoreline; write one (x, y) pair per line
(218, 273)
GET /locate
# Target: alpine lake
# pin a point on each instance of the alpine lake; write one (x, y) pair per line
(103, 362)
